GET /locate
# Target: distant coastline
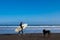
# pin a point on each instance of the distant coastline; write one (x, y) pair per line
(31, 24)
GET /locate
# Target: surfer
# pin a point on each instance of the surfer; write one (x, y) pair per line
(21, 28)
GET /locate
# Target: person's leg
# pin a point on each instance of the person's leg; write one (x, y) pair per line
(22, 30)
(19, 33)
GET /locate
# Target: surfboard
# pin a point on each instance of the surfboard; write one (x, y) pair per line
(19, 28)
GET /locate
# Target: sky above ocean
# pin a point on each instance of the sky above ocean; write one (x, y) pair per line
(30, 11)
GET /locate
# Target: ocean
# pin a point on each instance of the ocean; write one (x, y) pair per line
(29, 29)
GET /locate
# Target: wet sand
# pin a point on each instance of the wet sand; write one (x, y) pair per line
(34, 36)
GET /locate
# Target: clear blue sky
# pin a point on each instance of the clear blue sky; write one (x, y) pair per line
(30, 11)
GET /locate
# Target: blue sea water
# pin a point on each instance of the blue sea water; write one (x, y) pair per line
(29, 29)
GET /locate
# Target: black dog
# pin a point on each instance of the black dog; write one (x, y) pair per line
(46, 32)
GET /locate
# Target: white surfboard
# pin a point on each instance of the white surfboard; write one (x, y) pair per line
(19, 28)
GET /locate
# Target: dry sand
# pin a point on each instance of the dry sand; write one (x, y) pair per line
(34, 36)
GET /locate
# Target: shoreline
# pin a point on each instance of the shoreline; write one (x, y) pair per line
(32, 36)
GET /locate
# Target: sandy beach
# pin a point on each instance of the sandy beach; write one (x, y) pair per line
(34, 36)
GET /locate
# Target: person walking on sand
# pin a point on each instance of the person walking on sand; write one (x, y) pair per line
(21, 28)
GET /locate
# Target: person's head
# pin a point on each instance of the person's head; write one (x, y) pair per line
(20, 22)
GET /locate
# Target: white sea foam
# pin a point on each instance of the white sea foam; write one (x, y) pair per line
(29, 29)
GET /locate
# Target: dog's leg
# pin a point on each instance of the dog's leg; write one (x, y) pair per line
(44, 34)
(48, 33)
